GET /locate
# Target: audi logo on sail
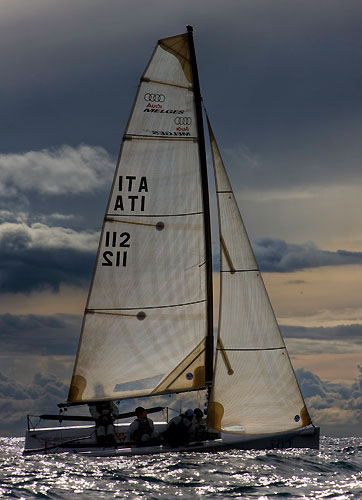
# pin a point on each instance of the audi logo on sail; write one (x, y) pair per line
(154, 97)
(183, 120)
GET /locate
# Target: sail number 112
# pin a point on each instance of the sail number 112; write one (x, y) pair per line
(117, 257)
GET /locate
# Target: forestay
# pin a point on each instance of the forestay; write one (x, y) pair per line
(144, 326)
(255, 389)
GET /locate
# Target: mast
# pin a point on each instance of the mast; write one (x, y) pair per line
(209, 351)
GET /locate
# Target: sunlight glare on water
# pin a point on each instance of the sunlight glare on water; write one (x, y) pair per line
(333, 472)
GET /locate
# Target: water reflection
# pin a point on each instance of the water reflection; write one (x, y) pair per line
(332, 472)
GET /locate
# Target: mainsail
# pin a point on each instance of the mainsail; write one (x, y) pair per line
(255, 390)
(145, 325)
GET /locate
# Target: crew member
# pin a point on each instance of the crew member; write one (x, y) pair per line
(179, 429)
(198, 430)
(142, 429)
(104, 414)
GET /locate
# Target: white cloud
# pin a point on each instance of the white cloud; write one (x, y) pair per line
(58, 217)
(66, 170)
(333, 415)
(275, 255)
(39, 235)
(331, 403)
(9, 216)
(39, 334)
(28, 218)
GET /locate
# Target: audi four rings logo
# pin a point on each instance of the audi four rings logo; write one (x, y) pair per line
(183, 120)
(154, 97)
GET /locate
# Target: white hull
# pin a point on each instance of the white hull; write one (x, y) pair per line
(82, 440)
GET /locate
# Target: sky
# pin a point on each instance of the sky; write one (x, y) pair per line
(281, 82)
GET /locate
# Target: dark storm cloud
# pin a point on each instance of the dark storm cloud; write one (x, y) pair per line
(356, 401)
(40, 335)
(311, 385)
(281, 80)
(278, 256)
(274, 255)
(287, 97)
(41, 384)
(68, 185)
(39, 257)
(27, 270)
(344, 333)
(51, 208)
(17, 400)
(332, 404)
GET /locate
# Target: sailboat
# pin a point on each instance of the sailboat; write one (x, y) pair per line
(148, 324)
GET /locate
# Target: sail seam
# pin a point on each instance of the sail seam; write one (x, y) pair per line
(241, 271)
(158, 215)
(130, 137)
(147, 307)
(149, 80)
(251, 349)
(112, 218)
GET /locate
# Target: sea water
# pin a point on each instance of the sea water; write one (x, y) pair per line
(334, 472)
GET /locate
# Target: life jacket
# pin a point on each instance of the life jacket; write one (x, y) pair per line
(105, 414)
(144, 427)
(179, 433)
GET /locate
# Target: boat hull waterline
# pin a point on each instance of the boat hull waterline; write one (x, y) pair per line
(64, 440)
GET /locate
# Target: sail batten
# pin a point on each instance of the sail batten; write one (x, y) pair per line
(240, 271)
(166, 137)
(145, 307)
(148, 80)
(113, 216)
(250, 349)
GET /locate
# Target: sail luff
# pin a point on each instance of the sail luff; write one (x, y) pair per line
(209, 357)
(103, 225)
(213, 418)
